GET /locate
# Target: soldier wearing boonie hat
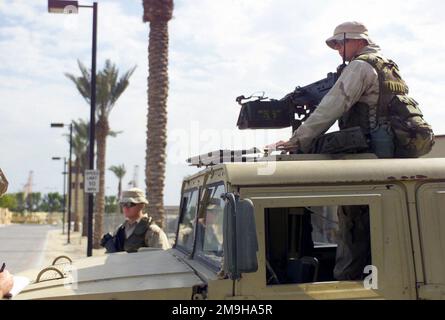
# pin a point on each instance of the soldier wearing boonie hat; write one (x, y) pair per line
(358, 99)
(353, 100)
(139, 230)
(133, 195)
(349, 30)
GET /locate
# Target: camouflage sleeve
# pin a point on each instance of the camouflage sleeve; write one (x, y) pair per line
(155, 237)
(357, 77)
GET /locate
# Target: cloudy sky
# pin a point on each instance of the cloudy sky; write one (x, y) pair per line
(218, 50)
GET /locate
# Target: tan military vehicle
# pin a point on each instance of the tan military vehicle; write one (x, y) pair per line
(246, 224)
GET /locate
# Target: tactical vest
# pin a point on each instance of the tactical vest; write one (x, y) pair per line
(413, 136)
(137, 238)
(390, 84)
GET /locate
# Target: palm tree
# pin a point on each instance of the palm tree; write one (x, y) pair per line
(80, 146)
(109, 89)
(157, 13)
(80, 143)
(120, 172)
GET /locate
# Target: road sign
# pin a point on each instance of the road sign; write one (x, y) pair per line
(91, 181)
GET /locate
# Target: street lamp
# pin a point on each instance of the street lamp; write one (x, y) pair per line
(64, 192)
(67, 7)
(70, 172)
(60, 6)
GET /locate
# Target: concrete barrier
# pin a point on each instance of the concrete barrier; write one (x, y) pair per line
(5, 216)
(37, 218)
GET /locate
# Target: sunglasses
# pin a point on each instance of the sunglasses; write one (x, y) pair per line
(128, 204)
(341, 42)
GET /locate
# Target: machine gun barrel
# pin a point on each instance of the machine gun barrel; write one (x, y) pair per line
(314, 92)
(292, 110)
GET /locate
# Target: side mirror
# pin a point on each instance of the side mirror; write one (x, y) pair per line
(3, 183)
(239, 234)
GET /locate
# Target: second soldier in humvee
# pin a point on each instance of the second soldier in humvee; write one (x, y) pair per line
(209, 229)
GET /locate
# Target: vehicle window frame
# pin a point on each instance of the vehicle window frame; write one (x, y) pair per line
(372, 200)
(388, 207)
(429, 197)
(198, 256)
(184, 204)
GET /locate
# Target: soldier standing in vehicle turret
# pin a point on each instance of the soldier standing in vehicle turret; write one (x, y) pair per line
(354, 98)
(366, 93)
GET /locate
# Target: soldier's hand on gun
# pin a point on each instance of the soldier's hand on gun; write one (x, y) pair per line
(284, 146)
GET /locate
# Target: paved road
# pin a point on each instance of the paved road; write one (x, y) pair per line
(22, 246)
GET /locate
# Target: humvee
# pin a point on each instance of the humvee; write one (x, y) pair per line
(265, 228)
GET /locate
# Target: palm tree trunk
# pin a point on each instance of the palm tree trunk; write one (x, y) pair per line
(85, 199)
(102, 132)
(76, 196)
(157, 118)
(119, 193)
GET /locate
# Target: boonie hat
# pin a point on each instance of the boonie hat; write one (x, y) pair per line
(133, 195)
(349, 30)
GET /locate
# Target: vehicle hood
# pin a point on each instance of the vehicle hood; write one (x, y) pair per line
(153, 274)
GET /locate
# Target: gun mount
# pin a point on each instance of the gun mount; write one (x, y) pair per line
(224, 156)
(290, 111)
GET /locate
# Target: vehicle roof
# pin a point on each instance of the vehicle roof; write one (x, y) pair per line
(331, 171)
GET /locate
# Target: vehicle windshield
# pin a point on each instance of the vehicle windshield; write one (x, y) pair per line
(209, 233)
(187, 223)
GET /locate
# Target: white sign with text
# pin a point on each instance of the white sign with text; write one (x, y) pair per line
(91, 181)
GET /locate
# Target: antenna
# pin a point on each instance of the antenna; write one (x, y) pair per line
(343, 65)
(344, 49)
(27, 188)
(134, 183)
(135, 176)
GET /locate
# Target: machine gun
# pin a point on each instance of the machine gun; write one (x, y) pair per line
(290, 111)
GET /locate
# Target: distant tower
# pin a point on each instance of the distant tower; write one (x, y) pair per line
(136, 176)
(27, 190)
(134, 183)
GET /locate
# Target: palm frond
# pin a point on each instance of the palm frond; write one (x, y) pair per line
(119, 171)
(109, 87)
(114, 134)
(118, 87)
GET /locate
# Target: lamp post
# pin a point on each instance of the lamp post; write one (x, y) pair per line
(67, 7)
(64, 191)
(61, 125)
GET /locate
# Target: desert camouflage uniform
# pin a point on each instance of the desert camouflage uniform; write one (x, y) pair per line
(358, 83)
(143, 233)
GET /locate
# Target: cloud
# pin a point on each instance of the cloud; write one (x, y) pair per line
(218, 50)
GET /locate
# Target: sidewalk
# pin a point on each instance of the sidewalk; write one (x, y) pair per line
(56, 245)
